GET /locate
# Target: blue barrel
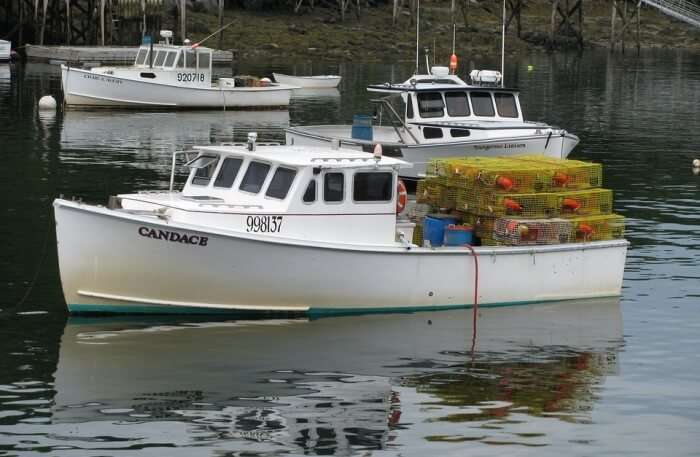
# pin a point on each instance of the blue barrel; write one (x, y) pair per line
(362, 127)
(458, 235)
(434, 228)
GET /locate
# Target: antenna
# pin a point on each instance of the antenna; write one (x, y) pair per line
(418, 31)
(454, 26)
(503, 43)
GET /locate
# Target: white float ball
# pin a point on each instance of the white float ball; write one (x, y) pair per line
(47, 102)
(696, 163)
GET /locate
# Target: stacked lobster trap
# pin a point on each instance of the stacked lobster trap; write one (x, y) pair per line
(522, 200)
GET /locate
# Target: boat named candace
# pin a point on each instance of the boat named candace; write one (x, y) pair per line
(261, 227)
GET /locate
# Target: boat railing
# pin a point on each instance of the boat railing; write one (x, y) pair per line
(243, 145)
(383, 102)
(343, 159)
(231, 205)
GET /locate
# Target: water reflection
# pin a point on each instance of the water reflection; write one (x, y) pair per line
(329, 386)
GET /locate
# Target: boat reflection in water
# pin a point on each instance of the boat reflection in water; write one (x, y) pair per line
(332, 385)
(129, 130)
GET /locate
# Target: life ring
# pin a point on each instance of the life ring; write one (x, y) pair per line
(401, 196)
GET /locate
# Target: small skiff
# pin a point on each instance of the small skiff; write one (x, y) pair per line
(320, 81)
(298, 229)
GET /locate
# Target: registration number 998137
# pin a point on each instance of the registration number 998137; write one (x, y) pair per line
(263, 224)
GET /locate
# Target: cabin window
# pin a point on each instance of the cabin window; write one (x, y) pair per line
(170, 60)
(281, 182)
(505, 104)
(204, 58)
(482, 104)
(372, 187)
(310, 193)
(459, 133)
(430, 104)
(409, 107)
(430, 133)
(254, 177)
(160, 58)
(205, 165)
(334, 187)
(141, 56)
(190, 59)
(457, 104)
(228, 172)
(180, 60)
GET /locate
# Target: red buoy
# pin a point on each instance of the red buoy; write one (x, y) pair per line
(570, 205)
(512, 206)
(504, 183)
(560, 179)
(453, 64)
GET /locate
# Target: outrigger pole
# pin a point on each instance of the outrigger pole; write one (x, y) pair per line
(219, 30)
(417, 31)
(503, 44)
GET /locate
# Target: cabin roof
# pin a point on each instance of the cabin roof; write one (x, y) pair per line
(175, 47)
(306, 156)
(432, 87)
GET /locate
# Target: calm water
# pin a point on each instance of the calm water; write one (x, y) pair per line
(606, 377)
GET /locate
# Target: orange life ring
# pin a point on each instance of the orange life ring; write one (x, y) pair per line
(401, 196)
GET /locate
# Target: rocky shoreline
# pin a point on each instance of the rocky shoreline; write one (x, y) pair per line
(320, 35)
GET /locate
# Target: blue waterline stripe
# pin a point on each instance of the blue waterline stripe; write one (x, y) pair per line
(312, 312)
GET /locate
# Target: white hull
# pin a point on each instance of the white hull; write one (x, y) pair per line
(516, 141)
(86, 88)
(5, 51)
(322, 81)
(108, 265)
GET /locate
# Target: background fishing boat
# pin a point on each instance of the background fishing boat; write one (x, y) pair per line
(317, 81)
(169, 76)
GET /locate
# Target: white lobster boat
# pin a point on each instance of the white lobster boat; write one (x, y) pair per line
(316, 82)
(298, 229)
(439, 116)
(168, 76)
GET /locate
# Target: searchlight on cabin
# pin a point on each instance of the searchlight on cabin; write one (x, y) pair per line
(167, 34)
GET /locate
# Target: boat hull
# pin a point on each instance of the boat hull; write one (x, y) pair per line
(519, 141)
(89, 89)
(327, 81)
(110, 262)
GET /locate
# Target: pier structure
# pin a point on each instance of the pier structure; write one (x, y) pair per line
(80, 22)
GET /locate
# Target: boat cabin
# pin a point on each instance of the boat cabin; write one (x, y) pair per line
(165, 63)
(435, 105)
(306, 193)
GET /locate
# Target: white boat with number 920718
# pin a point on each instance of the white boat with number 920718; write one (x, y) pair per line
(303, 229)
(168, 76)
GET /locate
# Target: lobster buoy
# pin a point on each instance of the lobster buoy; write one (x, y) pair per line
(570, 205)
(584, 231)
(453, 64)
(504, 183)
(401, 196)
(560, 179)
(512, 206)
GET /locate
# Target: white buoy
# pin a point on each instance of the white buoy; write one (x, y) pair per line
(47, 102)
(696, 163)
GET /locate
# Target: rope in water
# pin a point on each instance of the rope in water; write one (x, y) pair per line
(476, 295)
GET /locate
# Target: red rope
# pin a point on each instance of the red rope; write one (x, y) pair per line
(476, 295)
